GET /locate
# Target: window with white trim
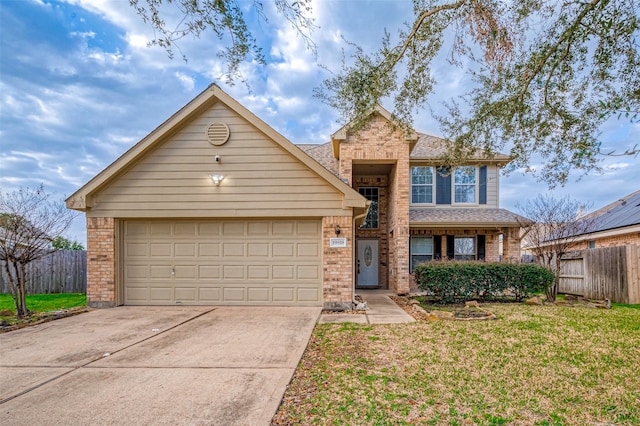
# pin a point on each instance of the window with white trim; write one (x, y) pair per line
(464, 184)
(464, 248)
(421, 185)
(371, 194)
(421, 251)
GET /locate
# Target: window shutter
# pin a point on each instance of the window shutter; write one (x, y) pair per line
(443, 185)
(483, 185)
(450, 242)
(481, 247)
(437, 247)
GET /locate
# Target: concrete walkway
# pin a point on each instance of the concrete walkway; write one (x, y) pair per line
(382, 310)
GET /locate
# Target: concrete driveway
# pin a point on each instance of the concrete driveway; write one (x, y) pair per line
(147, 365)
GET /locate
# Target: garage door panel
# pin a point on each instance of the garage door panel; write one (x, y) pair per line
(209, 294)
(208, 272)
(308, 228)
(233, 249)
(182, 229)
(136, 271)
(185, 249)
(233, 262)
(257, 229)
(284, 294)
(209, 249)
(308, 295)
(161, 294)
(308, 272)
(233, 272)
(258, 249)
(282, 249)
(137, 249)
(283, 228)
(258, 294)
(233, 294)
(233, 229)
(187, 294)
(160, 250)
(160, 271)
(307, 249)
(258, 272)
(182, 272)
(209, 229)
(160, 229)
(283, 272)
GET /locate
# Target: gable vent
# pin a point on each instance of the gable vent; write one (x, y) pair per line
(218, 133)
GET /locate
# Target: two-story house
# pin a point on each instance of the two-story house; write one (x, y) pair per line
(216, 207)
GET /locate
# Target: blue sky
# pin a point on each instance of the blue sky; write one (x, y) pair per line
(79, 86)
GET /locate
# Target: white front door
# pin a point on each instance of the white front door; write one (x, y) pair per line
(367, 263)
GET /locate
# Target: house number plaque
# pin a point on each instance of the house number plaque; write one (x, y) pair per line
(337, 242)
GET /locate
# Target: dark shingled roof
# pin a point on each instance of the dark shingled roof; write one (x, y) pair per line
(462, 216)
(433, 147)
(621, 213)
(323, 154)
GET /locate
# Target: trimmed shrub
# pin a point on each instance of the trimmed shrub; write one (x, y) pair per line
(452, 282)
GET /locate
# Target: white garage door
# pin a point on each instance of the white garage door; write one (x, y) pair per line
(230, 262)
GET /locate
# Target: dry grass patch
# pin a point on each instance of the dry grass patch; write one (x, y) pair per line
(534, 365)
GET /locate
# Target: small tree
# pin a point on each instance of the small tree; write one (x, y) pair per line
(555, 229)
(29, 222)
(61, 243)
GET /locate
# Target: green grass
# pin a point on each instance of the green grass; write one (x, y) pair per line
(45, 302)
(535, 365)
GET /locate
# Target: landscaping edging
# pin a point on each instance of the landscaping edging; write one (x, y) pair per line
(413, 308)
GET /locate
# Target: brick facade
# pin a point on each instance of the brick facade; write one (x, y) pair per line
(612, 241)
(337, 286)
(379, 142)
(101, 262)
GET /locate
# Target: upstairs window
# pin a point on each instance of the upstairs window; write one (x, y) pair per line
(421, 185)
(371, 194)
(464, 187)
(421, 251)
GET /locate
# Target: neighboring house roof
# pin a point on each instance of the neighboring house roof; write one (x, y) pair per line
(619, 214)
(451, 217)
(81, 199)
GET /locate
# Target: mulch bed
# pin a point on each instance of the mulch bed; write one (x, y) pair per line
(12, 323)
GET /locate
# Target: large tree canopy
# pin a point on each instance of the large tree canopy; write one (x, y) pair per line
(545, 75)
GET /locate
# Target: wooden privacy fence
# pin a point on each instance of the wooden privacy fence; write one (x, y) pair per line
(606, 273)
(64, 271)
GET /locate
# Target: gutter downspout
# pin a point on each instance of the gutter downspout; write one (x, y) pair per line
(353, 251)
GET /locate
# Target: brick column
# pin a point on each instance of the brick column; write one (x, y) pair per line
(101, 262)
(337, 286)
(492, 248)
(511, 245)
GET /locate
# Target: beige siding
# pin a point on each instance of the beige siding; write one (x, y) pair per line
(260, 178)
(493, 176)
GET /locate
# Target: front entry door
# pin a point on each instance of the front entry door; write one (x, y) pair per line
(367, 264)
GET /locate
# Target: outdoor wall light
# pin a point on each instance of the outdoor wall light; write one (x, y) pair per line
(337, 230)
(216, 179)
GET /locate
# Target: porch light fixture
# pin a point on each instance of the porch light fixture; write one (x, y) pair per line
(337, 230)
(216, 179)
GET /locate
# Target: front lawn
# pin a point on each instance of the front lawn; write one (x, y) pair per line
(535, 365)
(45, 302)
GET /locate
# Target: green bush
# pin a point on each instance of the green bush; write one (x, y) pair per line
(452, 282)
